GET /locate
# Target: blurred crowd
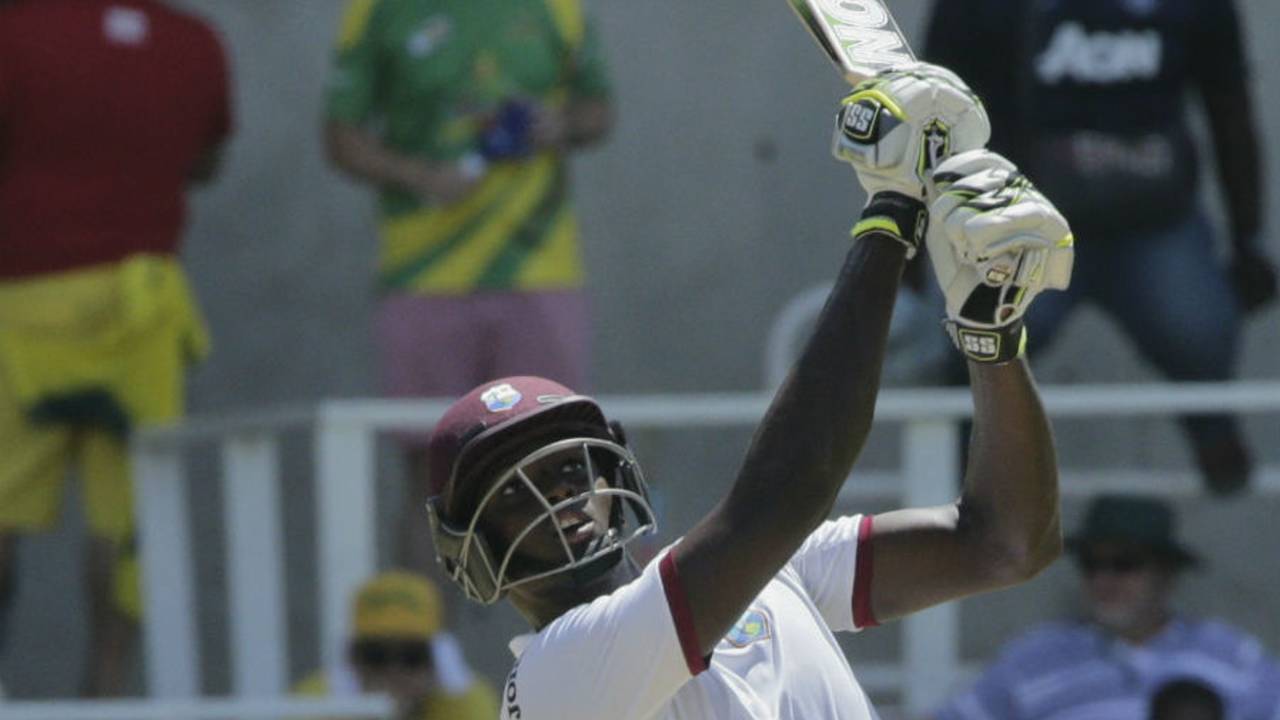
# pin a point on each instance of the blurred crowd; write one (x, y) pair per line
(399, 646)
(461, 117)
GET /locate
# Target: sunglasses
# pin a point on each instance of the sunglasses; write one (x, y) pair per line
(1091, 564)
(382, 654)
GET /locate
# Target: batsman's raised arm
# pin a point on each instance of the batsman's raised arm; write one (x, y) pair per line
(995, 243)
(819, 420)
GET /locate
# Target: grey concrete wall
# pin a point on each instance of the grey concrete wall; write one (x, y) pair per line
(714, 202)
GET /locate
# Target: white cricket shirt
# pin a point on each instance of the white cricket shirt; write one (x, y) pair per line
(631, 655)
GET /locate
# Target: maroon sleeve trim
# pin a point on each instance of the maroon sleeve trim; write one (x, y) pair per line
(678, 603)
(863, 571)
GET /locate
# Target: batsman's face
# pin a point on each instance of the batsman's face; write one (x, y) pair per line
(563, 481)
(1126, 587)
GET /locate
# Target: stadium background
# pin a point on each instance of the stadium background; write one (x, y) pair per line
(713, 203)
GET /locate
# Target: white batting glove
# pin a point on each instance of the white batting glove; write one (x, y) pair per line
(898, 126)
(996, 243)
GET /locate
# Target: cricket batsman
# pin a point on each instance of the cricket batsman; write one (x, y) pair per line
(536, 494)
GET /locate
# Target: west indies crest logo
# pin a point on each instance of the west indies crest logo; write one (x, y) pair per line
(752, 627)
(500, 398)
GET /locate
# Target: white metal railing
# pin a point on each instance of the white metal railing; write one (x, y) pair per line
(276, 708)
(344, 432)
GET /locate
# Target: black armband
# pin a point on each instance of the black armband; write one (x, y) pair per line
(897, 216)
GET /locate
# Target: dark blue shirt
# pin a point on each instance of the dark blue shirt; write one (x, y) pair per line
(1114, 65)
(1090, 96)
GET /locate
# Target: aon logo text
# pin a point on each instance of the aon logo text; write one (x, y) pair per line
(1100, 57)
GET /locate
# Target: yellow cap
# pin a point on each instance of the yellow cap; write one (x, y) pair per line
(397, 604)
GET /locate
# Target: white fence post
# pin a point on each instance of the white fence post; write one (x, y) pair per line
(931, 639)
(251, 492)
(345, 499)
(164, 542)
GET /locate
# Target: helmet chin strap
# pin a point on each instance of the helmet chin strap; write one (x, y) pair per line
(594, 569)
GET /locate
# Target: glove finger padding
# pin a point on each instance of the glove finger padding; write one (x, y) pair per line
(996, 242)
(969, 165)
(898, 126)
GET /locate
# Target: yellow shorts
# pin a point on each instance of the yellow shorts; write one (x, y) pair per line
(37, 462)
(125, 332)
(34, 478)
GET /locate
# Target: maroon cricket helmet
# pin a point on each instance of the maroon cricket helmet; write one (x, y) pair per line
(496, 421)
(491, 435)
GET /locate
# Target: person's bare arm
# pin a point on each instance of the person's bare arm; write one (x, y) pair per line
(998, 242)
(820, 417)
(217, 84)
(209, 165)
(580, 124)
(362, 154)
(1003, 530)
(803, 450)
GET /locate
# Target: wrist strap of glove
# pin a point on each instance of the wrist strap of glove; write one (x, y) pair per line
(894, 215)
(993, 346)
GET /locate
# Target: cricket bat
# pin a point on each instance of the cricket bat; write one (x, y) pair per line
(860, 36)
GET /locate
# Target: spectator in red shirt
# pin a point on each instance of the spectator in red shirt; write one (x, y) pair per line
(109, 111)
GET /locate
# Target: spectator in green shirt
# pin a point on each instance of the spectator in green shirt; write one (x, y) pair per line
(462, 114)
